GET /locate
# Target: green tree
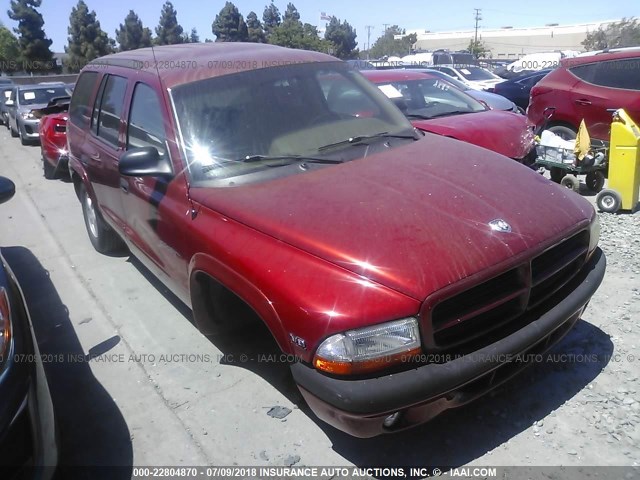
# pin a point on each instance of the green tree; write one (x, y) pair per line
(343, 37)
(292, 33)
(86, 39)
(478, 49)
(169, 31)
(256, 33)
(229, 25)
(387, 45)
(292, 13)
(9, 51)
(194, 37)
(625, 33)
(133, 34)
(271, 18)
(34, 45)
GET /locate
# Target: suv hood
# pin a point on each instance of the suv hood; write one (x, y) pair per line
(414, 218)
(506, 133)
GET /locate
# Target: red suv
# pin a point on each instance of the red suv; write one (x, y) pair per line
(588, 88)
(406, 273)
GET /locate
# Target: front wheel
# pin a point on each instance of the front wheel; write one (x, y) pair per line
(571, 182)
(102, 237)
(609, 201)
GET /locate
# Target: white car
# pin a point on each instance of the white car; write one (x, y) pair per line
(471, 75)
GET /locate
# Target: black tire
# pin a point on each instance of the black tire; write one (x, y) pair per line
(557, 174)
(50, 172)
(23, 140)
(609, 201)
(571, 182)
(14, 133)
(595, 181)
(102, 237)
(564, 131)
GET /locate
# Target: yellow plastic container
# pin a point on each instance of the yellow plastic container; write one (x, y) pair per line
(624, 166)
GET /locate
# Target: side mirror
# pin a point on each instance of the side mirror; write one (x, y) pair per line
(145, 162)
(7, 189)
(9, 103)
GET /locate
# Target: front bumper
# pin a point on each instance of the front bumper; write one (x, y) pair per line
(30, 128)
(360, 407)
(28, 443)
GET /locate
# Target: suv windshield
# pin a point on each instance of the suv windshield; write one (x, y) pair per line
(241, 123)
(38, 96)
(429, 98)
(476, 73)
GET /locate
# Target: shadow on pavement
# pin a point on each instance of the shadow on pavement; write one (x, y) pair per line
(92, 429)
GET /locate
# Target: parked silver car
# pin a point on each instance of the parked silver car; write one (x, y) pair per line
(26, 98)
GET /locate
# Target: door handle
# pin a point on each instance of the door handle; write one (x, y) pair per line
(582, 101)
(96, 157)
(124, 185)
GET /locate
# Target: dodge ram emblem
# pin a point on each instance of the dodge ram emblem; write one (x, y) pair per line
(499, 225)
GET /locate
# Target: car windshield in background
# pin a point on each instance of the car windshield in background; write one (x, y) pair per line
(477, 73)
(430, 98)
(39, 96)
(454, 81)
(247, 122)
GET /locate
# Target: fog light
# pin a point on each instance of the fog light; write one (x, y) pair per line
(392, 420)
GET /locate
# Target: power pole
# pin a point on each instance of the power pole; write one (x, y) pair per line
(386, 26)
(369, 28)
(475, 41)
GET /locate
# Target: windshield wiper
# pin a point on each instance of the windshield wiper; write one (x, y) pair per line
(298, 158)
(418, 116)
(446, 114)
(361, 138)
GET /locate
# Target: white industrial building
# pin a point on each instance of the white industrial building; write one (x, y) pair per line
(509, 42)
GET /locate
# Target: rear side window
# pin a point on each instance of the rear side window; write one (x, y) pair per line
(146, 125)
(106, 118)
(623, 74)
(80, 110)
(619, 74)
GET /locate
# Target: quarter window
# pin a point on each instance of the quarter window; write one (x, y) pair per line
(146, 125)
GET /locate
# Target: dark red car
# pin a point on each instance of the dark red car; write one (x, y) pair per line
(53, 137)
(588, 88)
(403, 271)
(434, 105)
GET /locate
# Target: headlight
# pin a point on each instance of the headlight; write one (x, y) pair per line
(594, 234)
(27, 115)
(368, 349)
(5, 325)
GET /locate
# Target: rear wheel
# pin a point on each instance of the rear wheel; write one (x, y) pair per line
(609, 201)
(102, 237)
(50, 172)
(563, 131)
(595, 181)
(571, 182)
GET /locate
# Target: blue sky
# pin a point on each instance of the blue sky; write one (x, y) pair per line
(409, 14)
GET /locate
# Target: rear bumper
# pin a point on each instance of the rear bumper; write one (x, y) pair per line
(360, 407)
